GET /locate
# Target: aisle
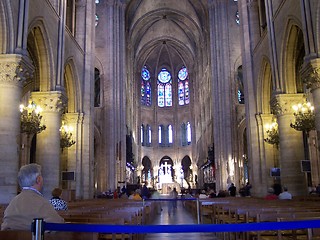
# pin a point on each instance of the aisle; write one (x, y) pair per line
(179, 216)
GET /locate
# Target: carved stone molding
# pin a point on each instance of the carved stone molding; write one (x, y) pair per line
(50, 101)
(73, 118)
(310, 74)
(282, 103)
(15, 69)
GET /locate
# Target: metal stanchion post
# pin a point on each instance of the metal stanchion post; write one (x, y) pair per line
(37, 229)
(198, 210)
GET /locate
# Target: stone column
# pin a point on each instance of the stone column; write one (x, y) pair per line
(252, 125)
(71, 154)
(291, 144)
(224, 137)
(14, 69)
(269, 155)
(48, 141)
(310, 74)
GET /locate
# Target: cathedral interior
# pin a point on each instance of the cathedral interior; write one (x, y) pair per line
(165, 93)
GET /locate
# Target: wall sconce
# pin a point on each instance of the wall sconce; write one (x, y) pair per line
(273, 134)
(66, 136)
(304, 117)
(30, 119)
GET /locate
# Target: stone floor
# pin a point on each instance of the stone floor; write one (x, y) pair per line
(179, 216)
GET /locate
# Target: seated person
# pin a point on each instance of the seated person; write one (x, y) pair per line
(271, 195)
(30, 203)
(56, 201)
(203, 194)
(285, 195)
(135, 196)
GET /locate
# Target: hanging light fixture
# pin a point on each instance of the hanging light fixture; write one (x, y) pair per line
(304, 117)
(30, 119)
(66, 136)
(273, 134)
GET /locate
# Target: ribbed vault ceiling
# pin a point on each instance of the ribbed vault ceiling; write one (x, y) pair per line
(165, 32)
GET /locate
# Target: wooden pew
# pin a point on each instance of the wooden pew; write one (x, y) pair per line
(27, 235)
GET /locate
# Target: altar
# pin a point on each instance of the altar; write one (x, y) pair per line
(165, 176)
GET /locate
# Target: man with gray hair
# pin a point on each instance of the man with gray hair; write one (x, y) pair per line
(30, 203)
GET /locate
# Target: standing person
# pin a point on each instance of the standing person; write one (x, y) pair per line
(318, 189)
(30, 203)
(248, 189)
(232, 190)
(56, 201)
(145, 194)
(172, 204)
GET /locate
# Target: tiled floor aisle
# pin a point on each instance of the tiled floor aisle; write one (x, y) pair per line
(181, 216)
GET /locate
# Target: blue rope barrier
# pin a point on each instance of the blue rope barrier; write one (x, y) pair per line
(240, 227)
(169, 199)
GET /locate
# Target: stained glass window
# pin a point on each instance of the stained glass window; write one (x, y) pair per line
(183, 86)
(97, 20)
(145, 87)
(142, 134)
(164, 88)
(96, 87)
(149, 135)
(240, 92)
(185, 134)
(188, 133)
(237, 17)
(160, 134)
(170, 134)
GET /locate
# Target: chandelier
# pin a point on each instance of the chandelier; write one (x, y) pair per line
(66, 136)
(273, 134)
(30, 119)
(304, 117)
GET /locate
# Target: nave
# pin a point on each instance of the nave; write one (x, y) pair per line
(178, 216)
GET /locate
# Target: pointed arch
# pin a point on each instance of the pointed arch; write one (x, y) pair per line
(39, 48)
(291, 57)
(264, 86)
(147, 171)
(73, 90)
(99, 166)
(6, 22)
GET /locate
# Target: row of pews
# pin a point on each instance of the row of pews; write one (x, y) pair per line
(231, 210)
(97, 211)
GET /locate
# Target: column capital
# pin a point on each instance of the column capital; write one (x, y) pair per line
(73, 118)
(54, 101)
(281, 104)
(266, 118)
(15, 69)
(310, 73)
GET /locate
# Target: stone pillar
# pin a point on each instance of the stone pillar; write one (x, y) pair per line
(291, 144)
(310, 74)
(48, 141)
(269, 154)
(252, 125)
(224, 137)
(71, 154)
(113, 102)
(14, 69)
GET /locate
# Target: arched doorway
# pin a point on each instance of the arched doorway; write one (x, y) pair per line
(146, 177)
(186, 172)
